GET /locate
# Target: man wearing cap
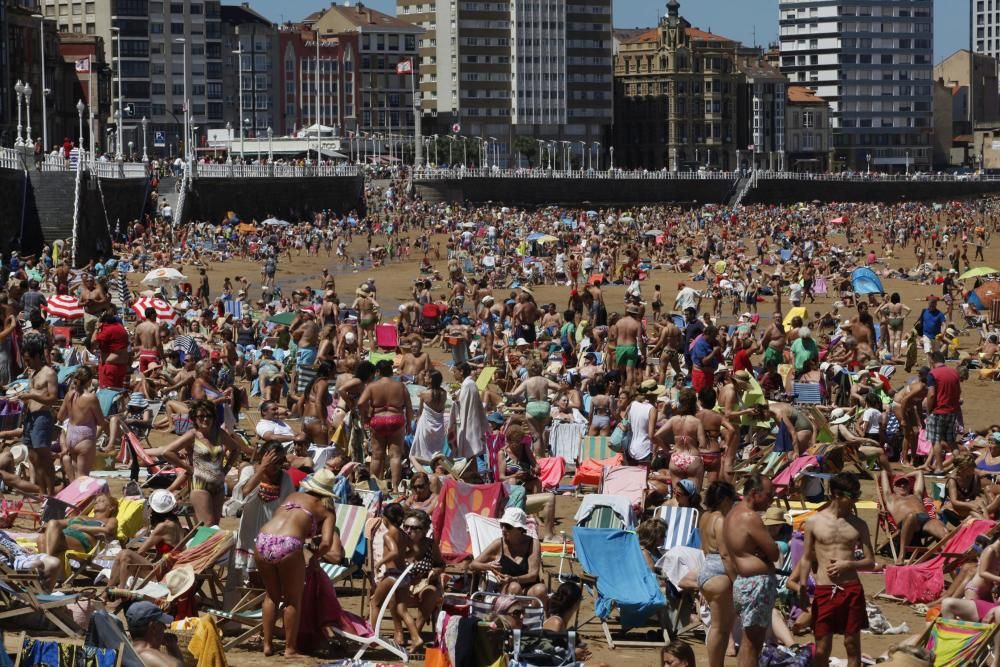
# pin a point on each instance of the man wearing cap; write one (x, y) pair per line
(903, 500)
(831, 536)
(147, 624)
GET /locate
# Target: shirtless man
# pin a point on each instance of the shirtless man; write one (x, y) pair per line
(526, 313)
(797, 422)
(147, 339)
(147, 624)
(839, 600)
(416, 364)
(330, 311)
(749, 556)
(39, 422)
(773, 341)
(668, 347)
(627, 352)
(305, 332)
(907, 509)
(907, 408)
(367, 309)
(94, 301)
(385, 405)
(347, 339)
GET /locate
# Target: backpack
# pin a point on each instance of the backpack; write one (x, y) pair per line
(918, 326)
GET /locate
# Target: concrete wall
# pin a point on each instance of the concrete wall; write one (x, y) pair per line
(19, 227)
(123, 201)
(260, 198)
(575, 191)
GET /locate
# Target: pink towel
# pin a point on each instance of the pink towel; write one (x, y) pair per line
(552, 470)
(924, 582)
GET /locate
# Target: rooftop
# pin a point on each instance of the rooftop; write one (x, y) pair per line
(802, 95)
(645, 36)
(341, 18)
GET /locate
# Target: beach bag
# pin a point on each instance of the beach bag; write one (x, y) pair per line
(924, 446)
(621, 437)
(918, 326)
(779, 656)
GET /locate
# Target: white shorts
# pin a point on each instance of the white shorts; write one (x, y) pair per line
(930, 344)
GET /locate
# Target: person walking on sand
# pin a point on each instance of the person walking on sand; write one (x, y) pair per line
(838, 606)
(750, 564)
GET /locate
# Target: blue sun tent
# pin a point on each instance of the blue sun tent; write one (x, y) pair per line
(864, 281)
(974, 301)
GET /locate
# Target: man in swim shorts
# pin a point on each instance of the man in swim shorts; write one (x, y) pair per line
(387, 402)
(752, 553)
(628, 333)
(839, 600)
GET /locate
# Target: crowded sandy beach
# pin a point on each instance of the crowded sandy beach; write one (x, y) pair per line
(464, 435)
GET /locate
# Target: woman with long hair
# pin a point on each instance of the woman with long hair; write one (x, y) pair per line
(280, 560)
(687, 434)
(424, 591)
(431, 432)
(314, 403)
(209, 453)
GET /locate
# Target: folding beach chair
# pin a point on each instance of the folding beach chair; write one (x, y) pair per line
(483, 531)
(565, 440)
(599, 510)
(613, 558)
(233, 307)
(206, 550)
(807, 393)
(682, 526)
(64, 653)
(595, 454)
(351, 520)
(886, 525)
(18, 599)
(111, 400)
(74, 500)
(483, 605)
(387, 337)
(959, 643)
(629, 482)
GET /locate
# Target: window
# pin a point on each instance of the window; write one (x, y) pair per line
(77, 9)
(808, 119)
(176, 28)
(198, 89)
(155, 28)
(158, 88)
(177, 89)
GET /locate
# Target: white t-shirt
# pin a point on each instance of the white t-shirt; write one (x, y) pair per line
(872, 419)
(278, 428)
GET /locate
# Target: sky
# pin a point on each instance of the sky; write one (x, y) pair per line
(736, 19)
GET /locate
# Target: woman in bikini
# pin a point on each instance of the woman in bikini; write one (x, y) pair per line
(278, 551)
(205, 448)
(713, 581)
(79, 533)
(601, 409)
(314, 404)
(720, 437)
(895, 314)
(81, 412)
(537, 407)
(964, 491)
(395, 545)
(203, 389)
(687, 434)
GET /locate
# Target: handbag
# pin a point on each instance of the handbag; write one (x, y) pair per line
(621, 437)
(544, 653)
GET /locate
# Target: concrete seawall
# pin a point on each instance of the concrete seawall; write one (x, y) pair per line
(260, 198)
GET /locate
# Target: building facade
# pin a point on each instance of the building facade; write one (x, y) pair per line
(307, 65)
(807, 131)
(520, 73)
(761, 128)
(378, 101)
(251, 69)
(88, 79)
(985, 16)
(676, 98)
(872, 61)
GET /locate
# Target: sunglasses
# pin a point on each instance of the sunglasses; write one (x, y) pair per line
(419, 486)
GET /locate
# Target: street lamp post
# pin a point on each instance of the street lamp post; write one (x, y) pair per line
(270, 145)
(187, 111)
(117, 36)
(907, 163)
(131, 150)
(597, 154)
(612, 151)
(28, 141)
(229, 142)
(868, 157)
(239, 56)
(145, 146)
(45, 105)
(583, 156)
(79, 112)
(19, 92)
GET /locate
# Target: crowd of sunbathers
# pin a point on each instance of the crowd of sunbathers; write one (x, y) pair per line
(733, 393)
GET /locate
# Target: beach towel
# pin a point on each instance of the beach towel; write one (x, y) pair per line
(551, 473)
(623, 578)
(566, 440)
(469, 419)
(923, 582)
(430, 435)
(206, 644)
(456, 500)
(620, 505)
(322, 609)
(784, 442)
(956, 643)
(589, 472)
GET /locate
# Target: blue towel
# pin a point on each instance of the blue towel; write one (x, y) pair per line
(623, 578)
(784, 441)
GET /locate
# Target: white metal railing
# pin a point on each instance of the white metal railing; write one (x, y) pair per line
(273, 170)
(182, 195)
(874, 177)
(424, 174)
(11, 158)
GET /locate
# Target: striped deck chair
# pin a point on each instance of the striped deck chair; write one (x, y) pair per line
(957, 643)
(206, 549)
(807, 393)
(18, 599)
(233, 307)
(351, 521)
(886, 524)
(682, 526)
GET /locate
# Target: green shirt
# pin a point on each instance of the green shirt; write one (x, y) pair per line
(804, 349)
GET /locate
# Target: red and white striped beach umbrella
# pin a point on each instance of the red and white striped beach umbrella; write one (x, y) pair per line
(64, 306)
(164, 312)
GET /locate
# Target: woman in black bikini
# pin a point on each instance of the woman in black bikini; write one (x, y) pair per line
(424, 579)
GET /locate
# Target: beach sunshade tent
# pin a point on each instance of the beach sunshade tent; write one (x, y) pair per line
(652, 232)
(163, 275)
(534, 236)
(284, 318)
(986, 294)
(978, 272)
(64, 306)
(864, 281)
(274, 222)
(164, 311)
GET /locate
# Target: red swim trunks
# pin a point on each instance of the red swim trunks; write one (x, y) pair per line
(146, 357)
(112, 376)
(700, 379)
(386, 424)
(839, 610)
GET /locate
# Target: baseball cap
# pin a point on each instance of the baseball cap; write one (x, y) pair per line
(142, 613)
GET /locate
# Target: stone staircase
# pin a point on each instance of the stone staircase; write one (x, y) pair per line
(53, 200)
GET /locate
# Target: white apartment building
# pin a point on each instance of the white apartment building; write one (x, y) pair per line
(872, 60)
(986, 27)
